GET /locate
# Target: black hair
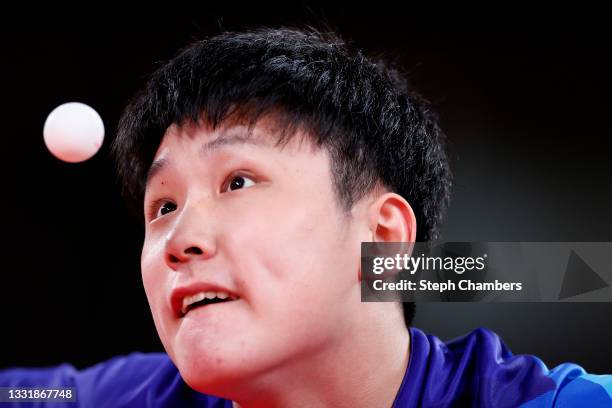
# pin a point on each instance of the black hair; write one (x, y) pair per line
(377, 129)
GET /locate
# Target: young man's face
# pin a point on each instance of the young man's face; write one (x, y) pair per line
(249, 220)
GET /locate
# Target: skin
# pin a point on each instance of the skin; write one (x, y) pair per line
(298, 335)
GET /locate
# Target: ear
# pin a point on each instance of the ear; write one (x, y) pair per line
(391, 219)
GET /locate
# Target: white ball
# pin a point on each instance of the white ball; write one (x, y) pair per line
(73, 132)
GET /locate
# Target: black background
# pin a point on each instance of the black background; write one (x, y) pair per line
(523, 95)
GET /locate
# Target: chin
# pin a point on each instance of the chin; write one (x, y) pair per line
(214, 375)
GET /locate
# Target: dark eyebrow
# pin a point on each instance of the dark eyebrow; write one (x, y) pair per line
(231, 138)
(226, 139)
(156, 167)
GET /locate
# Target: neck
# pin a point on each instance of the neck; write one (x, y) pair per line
(362, 367)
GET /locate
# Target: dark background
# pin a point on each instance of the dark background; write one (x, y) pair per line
(523, 95)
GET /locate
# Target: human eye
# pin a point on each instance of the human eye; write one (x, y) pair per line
(237, 182)
(160, 208)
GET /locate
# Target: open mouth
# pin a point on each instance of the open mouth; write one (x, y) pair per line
(204, 299)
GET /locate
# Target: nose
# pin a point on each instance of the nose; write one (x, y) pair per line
(191, 238)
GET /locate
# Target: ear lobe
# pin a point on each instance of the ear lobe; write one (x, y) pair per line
(392, 219)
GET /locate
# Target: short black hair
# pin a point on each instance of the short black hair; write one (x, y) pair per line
(377, 129)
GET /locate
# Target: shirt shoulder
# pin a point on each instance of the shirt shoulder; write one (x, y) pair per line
(588, 390)
(134, 380)
(478, 369)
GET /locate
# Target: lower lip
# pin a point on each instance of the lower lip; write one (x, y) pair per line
(200, 309)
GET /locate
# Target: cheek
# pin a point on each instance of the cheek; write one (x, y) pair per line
(293, 255)
(153, 280)
(283, 218)
(282, 234)
(150, 261)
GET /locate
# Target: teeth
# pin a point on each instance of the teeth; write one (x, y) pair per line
(189, 300)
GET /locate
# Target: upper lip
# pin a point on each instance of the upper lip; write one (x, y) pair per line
(178, 293)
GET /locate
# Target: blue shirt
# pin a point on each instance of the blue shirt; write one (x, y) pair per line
(474, 370)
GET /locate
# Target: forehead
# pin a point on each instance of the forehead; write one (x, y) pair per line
(203, 140)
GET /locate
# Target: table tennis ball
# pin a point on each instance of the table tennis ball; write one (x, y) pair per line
(73, 132)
